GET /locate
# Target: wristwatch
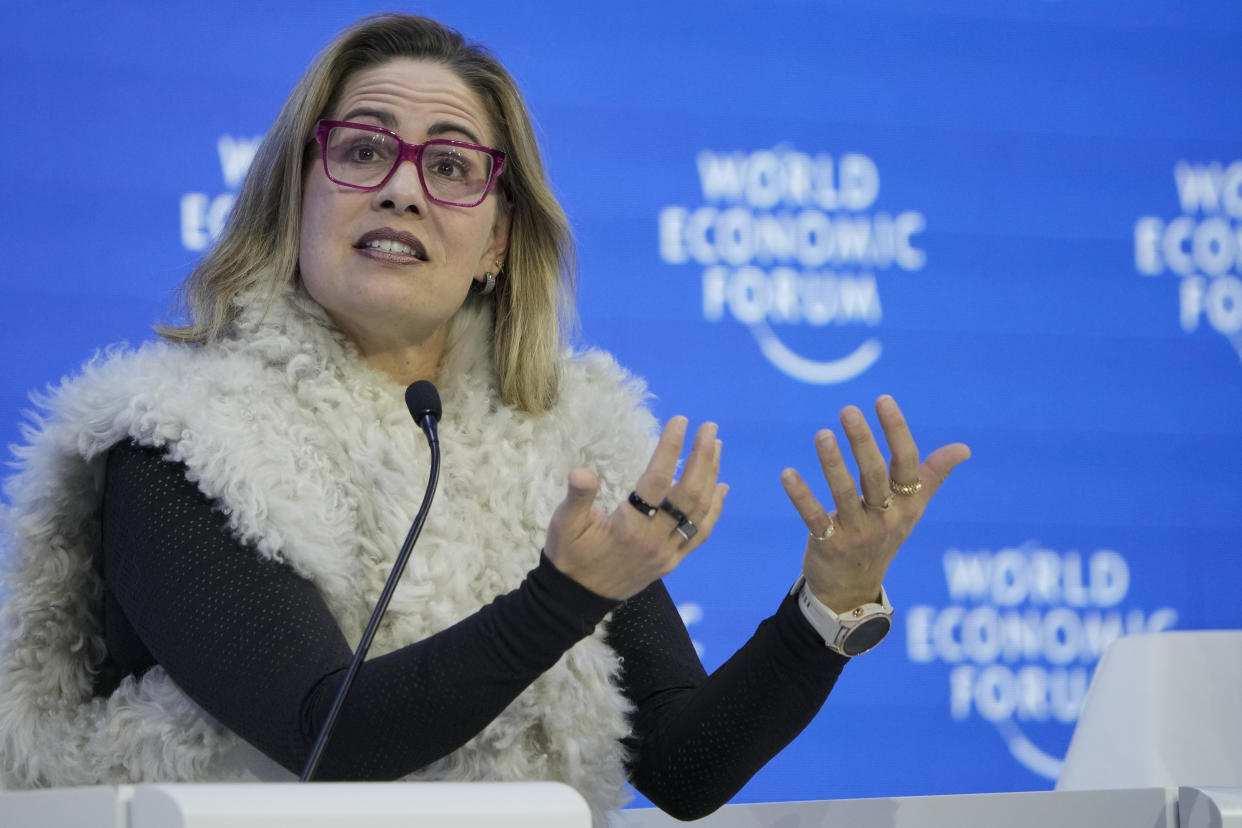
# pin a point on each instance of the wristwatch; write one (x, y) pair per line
(850, 633)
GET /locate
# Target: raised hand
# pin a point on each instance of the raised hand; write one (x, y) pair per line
(618, 554)
(849, 551)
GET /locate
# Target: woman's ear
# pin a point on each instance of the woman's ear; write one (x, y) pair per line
(496, 250)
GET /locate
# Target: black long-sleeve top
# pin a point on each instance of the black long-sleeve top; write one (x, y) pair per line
(254, 644)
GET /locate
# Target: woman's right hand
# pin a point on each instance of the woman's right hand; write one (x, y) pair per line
(617, 555)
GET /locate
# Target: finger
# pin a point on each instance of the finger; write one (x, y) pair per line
(704, 524)
(658, 477)
(572, 516)
(708, 481)
(939, 464)
(809, 508)
(719, 492)
(718, 450)
(692, 494)
(904, 463)
(698, 476)
(840, 483)
(583, 486)
(872, 469)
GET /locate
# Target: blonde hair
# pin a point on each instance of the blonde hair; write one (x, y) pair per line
(259, 246)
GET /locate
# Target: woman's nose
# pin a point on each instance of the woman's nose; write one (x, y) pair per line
(404, 190)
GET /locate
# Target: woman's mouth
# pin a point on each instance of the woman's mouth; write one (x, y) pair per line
(392, 245)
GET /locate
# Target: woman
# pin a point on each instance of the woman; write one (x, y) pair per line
(201, 527)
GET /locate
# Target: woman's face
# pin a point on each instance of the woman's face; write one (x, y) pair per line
(402, 295)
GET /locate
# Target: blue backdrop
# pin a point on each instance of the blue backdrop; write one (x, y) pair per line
(1022, 219)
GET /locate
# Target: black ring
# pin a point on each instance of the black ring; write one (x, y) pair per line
(685, 526)
(677, 514)
(642, 505)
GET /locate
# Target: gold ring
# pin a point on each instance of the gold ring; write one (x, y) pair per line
(828, 533)
(883, 507)
(905, 488)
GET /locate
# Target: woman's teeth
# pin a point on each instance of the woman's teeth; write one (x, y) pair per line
(390, 246)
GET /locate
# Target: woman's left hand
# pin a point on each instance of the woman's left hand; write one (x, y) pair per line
(850, 550)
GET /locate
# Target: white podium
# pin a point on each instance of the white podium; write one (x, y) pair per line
(1151, 808)
(1141, 808)
(292, 805)
(550, 805)
(1163, 709)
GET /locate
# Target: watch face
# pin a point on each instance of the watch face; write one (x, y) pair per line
(866, 635)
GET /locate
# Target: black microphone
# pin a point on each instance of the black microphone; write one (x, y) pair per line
(424, 403)
(423, 400)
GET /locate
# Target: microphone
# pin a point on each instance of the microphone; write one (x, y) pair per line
(423, 400)
(424, 403)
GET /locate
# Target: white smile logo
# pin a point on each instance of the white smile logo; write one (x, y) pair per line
(788, 239)
(816, 372)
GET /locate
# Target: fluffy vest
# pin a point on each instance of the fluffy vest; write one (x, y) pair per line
(316, 462)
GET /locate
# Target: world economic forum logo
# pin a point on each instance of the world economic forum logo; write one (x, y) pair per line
(203, 215)
(787, 239)
(1020, 634)
(1202, 247)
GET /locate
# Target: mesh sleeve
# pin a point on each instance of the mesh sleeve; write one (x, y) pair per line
(254, 644)
(697, 739)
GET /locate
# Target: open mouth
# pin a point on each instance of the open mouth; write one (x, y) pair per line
(396, 242)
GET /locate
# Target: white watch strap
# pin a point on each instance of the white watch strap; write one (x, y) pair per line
(818, 615)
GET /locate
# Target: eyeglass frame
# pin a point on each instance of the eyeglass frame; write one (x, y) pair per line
(410, 152)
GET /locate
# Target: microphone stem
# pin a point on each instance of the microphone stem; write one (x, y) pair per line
(428, 424)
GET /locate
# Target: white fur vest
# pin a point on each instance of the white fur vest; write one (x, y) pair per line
(316, 462)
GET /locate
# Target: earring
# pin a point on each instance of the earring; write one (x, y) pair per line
(489, 280)
(486, 286)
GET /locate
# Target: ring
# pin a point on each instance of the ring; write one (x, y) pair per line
(685, 526)
(828, 533)
(883, 507)
(642, 505)
(904, 488)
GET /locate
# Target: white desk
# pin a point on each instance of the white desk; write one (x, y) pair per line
(1169, 807)
(292, 805)
(548, 805)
